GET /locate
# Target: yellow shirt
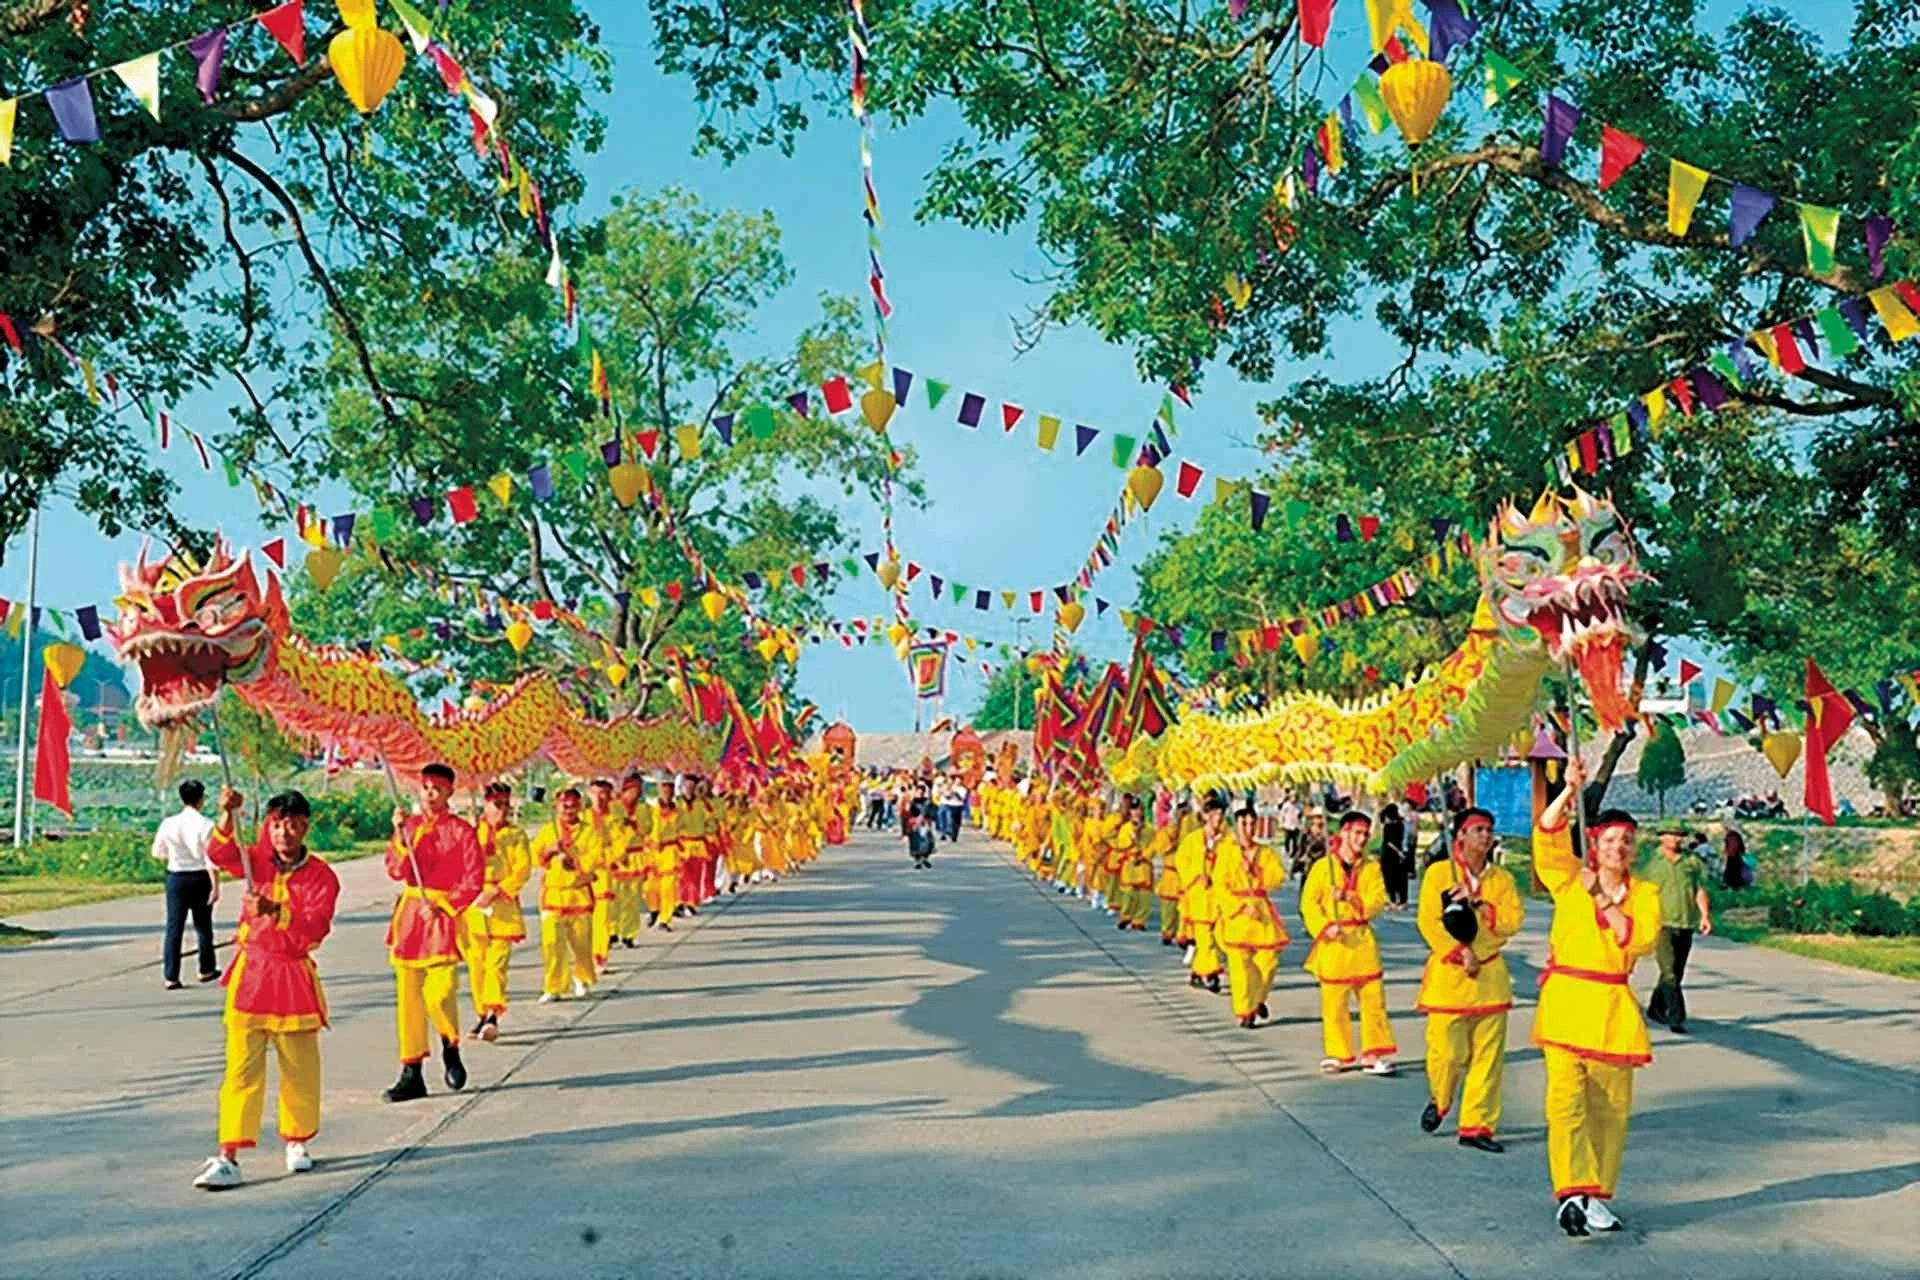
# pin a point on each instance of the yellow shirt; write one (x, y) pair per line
(1168, 887)
(1586, 1006)
(1444, 985)
(563, 891)
(607, 838)
(1122, 837)
(509, 867)
(1334, 895)
(637, 860)
(1244, 918)
(1194, 862)
(667, 830)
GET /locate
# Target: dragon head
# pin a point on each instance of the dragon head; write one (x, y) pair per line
(190, 627)
(1561, 573)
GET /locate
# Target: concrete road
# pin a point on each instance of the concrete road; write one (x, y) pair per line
(871, 1071)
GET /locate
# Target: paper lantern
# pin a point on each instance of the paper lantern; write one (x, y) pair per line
(1144, 484)
(323, 565)
(889, 572)
(519, 635)
(713, 604)
(367, 62)
(877, 407)
(616, 674)
(1072, 614)
(1781, 750)
(64, 661)
(1416, 92)
(629, 481)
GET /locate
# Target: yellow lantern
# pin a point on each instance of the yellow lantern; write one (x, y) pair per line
(367, 61)
(713, 604)
(1416, 92)
(63, 661)
(889, 572)
(519, 635)
(1072, 614)
(1144, 484)
(1781, 750)
(323, 565)
(899, 635)
(877, 407)
(616, 674)
(629, 481)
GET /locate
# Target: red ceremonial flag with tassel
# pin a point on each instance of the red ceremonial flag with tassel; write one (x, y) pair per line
(50, 762)
(1828, 717)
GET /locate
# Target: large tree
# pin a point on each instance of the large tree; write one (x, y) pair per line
(204, 250)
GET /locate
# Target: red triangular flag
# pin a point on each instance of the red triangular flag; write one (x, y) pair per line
(50, 762)
(288, 25)
(1188, 480)
(460, 502)
(839, 399)
(1828, 715)
(799, 575)
(913, 571)
(1181, 391)
(1618, 151)
(1369, 525)
(649, 442)
(276, 551)
(1688, 670)
(673, 591)
(1009, 415)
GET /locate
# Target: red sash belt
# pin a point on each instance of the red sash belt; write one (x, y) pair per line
(1585, 975)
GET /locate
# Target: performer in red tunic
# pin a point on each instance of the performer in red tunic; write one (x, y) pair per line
(273, 990)
(436, 857)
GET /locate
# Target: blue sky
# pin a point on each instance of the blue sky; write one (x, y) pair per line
(1002, 513)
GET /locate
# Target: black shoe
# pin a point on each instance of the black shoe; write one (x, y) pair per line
(478, 1024)
(627, 943)
(1678, 1028)
(409, 1086)
(1122, 926)
(456, 1069)
(174, 984)
(1213, 984)
(1430, 1118)
(1572, 1217)
(1247, 1022)
(1261, 1012)
(1481, 1142)
(1195, 980)
(1166, 942)
(210, 977)
(653, 918)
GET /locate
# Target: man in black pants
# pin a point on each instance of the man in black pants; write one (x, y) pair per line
(192, 886)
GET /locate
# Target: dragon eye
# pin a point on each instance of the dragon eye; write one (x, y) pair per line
(1612, 549)
(1523, 568)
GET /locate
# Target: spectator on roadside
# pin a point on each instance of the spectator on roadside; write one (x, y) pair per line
(1734, 873)
(192, 884)
(1683, 910)
(1290, 814)
(1395, 867)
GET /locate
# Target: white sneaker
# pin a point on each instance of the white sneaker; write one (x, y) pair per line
(579, 988)
(220, 1174)
(1382, 1067)
(549, 997)
(1599, 1216)
(298, 1159)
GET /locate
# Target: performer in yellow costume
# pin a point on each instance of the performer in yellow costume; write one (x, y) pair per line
(1343, 892)
(1136, 866)
(1588, 1024)
(566, 900)
(743, 853)
(1194, 859)
(667, 820)
(607, 830)
(1245, 921)
(1115, 856)
(631, 867)
(1167, 888)
(494, 923)
(1469, 907)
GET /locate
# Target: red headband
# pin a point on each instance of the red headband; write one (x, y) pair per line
(1477, 820)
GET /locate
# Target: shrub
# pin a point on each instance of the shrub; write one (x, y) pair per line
(124, 857)
(1839, 907)
(342, 817)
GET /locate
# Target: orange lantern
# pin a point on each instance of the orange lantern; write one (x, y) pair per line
(367, 62)
(1144, 484)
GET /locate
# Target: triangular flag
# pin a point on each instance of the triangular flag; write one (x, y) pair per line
(141, 75)
(686, 439)
(1819, 228)
(1372, 105)
(1893, 313)
(1684, 184)
(1829, 715)
(1082, 437)
(1502, 77)
(1688, 670)
(9, 112)
(71, 102)
(208, 50)
(275, 549)
(502, 487)
(1048, 432)
(1009, 416)
(1188, 479)
(936, 392)
(1618, 151)
(1750, 205)
(419, 30)
(287, 25)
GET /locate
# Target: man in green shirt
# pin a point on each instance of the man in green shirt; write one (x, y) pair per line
(1683, 909)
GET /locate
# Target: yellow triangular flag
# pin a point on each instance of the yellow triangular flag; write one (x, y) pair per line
(141, 75)
(1722, 694)
(8, 109)
(1656, 402)
(1763, 339)
(872, 374)
(1049, 431)
(1894, 314)
(502, 486)
(86, 376)
(649, 597)
(687, 439)
(1684, 184)
(1384, 17)
(1007, 597)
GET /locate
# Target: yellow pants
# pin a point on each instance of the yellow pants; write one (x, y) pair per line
(426, 995)
(566, 951)
(1474, 1045)
(1587, 1106)
(627, 915)
(1336, 1026)
(1169, 917)
(1250, 972)
(1206, 960)
(1138, 905)
(243, 1094)
(669, 891)
(602, 922)
(487, 973)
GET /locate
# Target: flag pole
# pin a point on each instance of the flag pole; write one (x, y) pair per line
(22, 801)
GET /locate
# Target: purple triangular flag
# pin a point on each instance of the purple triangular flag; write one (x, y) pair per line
(1448, 27)
(1657, 656)
(937, 584)
(1343, 528)
(423, 510)
(1750, 205)
(1310, 168)
(1860, 704)
(981, 599)
(1346, 112)
(1637, 415)
(970, 406)
(540, 480)
(1258, 503)
(1879, 231)
(1856, 313)
(752, 580)
(1218, 640)
(821, 570)
(1100, 606)
(88, 616)
(1160, 441)
(1764, 707)
(1558, 123)
(1082, 437)
(723, 425)
(343, 529)
(1742, 360)
(1809, 337)
(610, 452)
(1440, 527)
(1707, 387)
(902, 383)
(1883, 690)
(1064, 594)
(209, 49)
(798, 402)
(71, 102)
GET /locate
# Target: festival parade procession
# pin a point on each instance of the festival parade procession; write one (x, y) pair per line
(1387, 746)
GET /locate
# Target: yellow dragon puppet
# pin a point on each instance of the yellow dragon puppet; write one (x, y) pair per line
(191, 627)
(1554, 584)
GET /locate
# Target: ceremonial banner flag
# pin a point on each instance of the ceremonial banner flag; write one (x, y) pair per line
(1828, 716)
(71, 102)
(141, 75)
(928, 664)
(1558, 123)
(51, 766)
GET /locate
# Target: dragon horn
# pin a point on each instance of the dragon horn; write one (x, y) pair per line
(1546, 508)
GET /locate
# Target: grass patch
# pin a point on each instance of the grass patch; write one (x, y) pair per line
(1897, 957)
(12, 935)
(24, 892)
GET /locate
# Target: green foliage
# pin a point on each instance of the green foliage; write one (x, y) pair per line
(1663, 765)
(124, 857)
(1837, 906)
(253, 741)
(1895, 764)
(342, 818)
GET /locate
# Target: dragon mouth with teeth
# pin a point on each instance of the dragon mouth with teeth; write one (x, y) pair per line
(190, 628)
(1563, 572)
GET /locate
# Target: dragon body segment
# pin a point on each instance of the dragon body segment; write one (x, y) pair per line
(190, 628)
(1554, 584)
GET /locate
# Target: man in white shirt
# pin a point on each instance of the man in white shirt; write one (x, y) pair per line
(192, 884)
(1290, 825)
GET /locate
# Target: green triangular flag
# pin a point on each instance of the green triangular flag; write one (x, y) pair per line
(1622, 435)
(233, 473)
(382, 521)
(936, 392)
(1294, 511)
(59, 623)
(1502, 76)
(851, 567)
(759, 421)
(1840, 336)
(575, 460)
(1122, 451)
(1721, 363)
(419, 30)
(1367, 94)
(960, 591)
(1819, 227)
